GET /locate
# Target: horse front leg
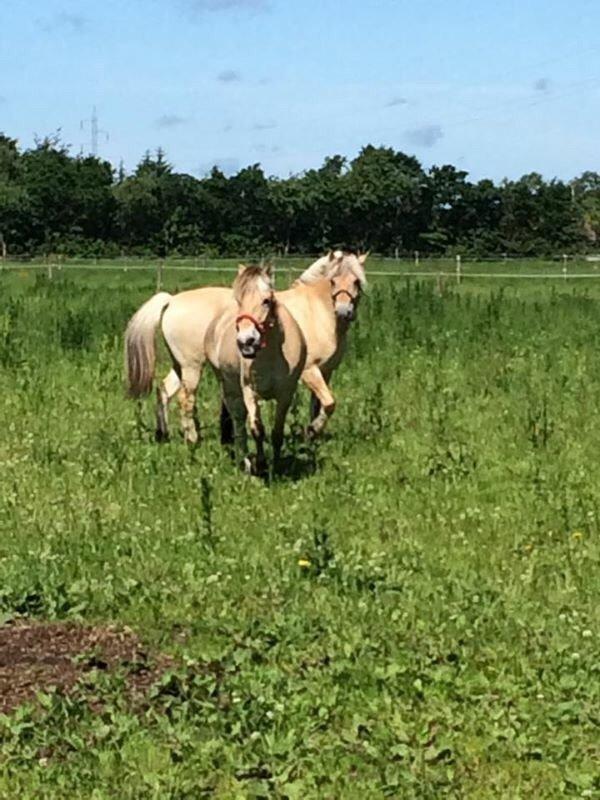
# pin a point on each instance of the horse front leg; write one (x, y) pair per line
(278, 427)
(314, 380)
(236, 409)
(226, 425)
(256, 426)
(315, 407)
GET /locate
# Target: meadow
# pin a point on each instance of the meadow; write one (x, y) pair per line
(410, 610)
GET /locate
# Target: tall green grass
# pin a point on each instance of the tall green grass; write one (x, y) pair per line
(411, 610)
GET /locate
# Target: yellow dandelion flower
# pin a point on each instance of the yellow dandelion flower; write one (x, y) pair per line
(577, 535)
(303, 562)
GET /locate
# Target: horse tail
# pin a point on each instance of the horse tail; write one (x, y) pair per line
(140, 349)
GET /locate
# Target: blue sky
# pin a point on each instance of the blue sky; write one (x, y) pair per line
(496, 88)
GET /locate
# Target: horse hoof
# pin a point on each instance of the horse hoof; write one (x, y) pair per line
(310, 434)
(247, 467)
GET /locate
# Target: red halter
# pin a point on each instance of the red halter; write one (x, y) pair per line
(261, 327)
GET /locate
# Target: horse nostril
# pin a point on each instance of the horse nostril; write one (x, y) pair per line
(248, 339)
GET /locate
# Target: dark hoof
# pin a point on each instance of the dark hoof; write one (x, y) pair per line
(251, 466)
(310, 434)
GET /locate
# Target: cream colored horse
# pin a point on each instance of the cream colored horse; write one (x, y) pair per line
(258, 352)
(339, 277)
(185, 318)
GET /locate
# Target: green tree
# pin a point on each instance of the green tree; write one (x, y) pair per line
(11, 195)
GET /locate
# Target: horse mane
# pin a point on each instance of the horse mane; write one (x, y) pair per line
(246, 278)
(351, 264)
(318, 269)
(345, 261)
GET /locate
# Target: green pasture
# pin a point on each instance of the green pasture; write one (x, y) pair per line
(410, 610)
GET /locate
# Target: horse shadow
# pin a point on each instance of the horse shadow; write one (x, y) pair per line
(300, 461)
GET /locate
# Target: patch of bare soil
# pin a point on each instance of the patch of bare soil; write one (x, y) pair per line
(37, 657)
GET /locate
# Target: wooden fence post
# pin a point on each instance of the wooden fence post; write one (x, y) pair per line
(458, 269)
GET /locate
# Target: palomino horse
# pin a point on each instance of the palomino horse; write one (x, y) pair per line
(339, 277)
(184, 319)
(258, 352)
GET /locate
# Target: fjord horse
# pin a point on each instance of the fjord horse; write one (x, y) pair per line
(184, 319)
(258, 352)
(323, 300)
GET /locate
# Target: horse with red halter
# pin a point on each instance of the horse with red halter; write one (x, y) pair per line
(324, 300)
(258, 352)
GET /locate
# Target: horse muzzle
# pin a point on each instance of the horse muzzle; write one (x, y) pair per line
(249, 344)
(345, 311)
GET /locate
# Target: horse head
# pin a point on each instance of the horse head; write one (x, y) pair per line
(253, 292)
(348, 280)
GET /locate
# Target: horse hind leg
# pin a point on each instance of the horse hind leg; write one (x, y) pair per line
(167, 389)
(190, 377)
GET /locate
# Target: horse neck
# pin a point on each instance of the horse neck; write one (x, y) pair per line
(274, 331)
(319, 290)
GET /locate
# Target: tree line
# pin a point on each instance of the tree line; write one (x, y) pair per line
(54, 202)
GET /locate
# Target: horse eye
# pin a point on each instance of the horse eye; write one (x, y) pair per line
(266, 302)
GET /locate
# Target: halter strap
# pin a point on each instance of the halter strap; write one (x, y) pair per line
(258, 325)
(335, 295)
(261, 327)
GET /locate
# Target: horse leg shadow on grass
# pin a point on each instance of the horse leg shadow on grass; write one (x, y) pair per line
(300, 462)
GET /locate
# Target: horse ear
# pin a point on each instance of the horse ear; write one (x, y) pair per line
(241, 268)
(268, 269)
(331, 256)
(363, 257)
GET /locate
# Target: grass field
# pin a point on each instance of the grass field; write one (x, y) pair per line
(410, 612)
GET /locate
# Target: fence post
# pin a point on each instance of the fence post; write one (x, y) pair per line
(159, 275)
(440, 284)
(458, 269)
(416, 258)
(49, 270)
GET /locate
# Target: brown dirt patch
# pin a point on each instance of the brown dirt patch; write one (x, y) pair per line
(38, 657)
